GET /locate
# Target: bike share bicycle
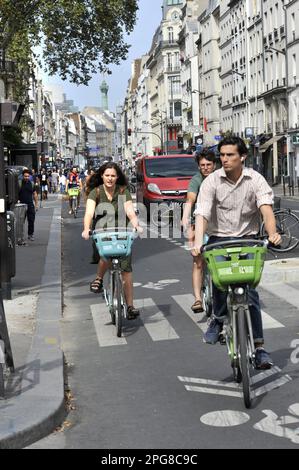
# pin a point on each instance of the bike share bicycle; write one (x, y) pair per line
(113, 245)
(73, 194)
(235, 267)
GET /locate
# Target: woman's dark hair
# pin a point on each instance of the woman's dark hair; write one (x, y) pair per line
(234, 140)
(207, 154)
(97, 179)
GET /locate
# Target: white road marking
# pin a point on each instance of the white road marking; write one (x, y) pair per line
(106, 332)
(157, 326)
(225, 419)
(285, 292)
(237, 392)
(185, 301)
(270, 322)
(272, 385)
(213, 391)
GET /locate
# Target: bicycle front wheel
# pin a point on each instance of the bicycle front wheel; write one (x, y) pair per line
(207, 298)
(287, 225)
(75, 207)
(117, 305)
(244, 354)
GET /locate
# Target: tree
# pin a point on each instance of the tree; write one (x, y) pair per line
(78, 37)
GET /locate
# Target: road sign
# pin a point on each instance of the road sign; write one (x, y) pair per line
(217, 137)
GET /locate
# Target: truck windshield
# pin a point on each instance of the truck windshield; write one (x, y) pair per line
(170, 167)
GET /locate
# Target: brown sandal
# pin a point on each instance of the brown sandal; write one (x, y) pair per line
(197, 306)
(96, 286)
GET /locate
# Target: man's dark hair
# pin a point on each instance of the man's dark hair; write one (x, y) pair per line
(207, 154)
(26, 171)
(234, 140)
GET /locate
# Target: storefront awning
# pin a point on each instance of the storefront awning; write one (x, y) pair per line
(270, 142)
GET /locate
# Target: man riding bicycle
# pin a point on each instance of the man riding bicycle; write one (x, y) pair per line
(73, 181)
(228, 208)
(206, 162)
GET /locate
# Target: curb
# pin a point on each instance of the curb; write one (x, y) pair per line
(40, 407)
(280, 271)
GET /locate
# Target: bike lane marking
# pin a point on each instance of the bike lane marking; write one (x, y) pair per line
(105, 331)
(288, 293)
(225, 418)
(185, 301)
(216, 387)
(154, 321)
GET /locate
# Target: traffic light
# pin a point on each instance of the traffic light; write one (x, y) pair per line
(129, 132)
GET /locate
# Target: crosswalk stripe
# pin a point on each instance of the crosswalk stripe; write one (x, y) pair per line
(270, 322)
(157, 326)
(185, 301)
(285, 292)
(105, 331)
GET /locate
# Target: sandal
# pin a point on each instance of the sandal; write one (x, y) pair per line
(96, 286)
(132, 313)
(197, 306)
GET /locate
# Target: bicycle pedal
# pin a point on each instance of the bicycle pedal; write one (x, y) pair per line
(222, 340)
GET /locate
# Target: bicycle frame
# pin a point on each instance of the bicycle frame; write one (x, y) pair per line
(230, 323)
(115, 297)
(235, 268)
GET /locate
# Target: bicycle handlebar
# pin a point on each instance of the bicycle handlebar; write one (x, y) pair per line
(234, 243)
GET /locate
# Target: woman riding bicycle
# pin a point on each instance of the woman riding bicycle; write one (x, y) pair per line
(109, 198)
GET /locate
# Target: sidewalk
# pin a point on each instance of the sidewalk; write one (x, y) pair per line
(34, 404)
(278, 191)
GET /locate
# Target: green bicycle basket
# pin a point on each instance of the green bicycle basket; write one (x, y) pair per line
(73, 192)
(236, 265)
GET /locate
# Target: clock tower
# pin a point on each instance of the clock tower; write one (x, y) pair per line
(170, 4)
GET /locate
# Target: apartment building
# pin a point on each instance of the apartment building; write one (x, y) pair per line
(189, 58)
(209, 78)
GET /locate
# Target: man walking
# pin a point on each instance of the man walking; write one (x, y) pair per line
(28, 196)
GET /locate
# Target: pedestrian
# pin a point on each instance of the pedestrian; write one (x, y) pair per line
(55, 180)
(43, 180)
(206, 162)
(229, 206)
(62, 182)
(110, 188)
(28, 196)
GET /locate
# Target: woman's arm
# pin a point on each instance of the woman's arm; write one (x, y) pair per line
(89, 213)
(130, 212)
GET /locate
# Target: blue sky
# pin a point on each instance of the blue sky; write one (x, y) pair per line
(149, 17)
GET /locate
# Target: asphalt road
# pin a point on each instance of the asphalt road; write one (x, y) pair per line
(161, 387)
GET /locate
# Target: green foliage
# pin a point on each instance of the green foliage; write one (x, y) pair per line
(12, 136)
(78, 37)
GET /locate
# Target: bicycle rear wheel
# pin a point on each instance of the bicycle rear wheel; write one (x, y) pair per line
(117, 305)
(287, 225)
(244, 352)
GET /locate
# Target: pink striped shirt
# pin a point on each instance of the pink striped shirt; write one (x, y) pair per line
(231, 209)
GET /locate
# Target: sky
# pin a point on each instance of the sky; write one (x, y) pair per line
(148, 19)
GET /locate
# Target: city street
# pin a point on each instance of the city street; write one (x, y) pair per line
(160, 386)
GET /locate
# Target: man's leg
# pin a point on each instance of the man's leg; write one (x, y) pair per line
(31, 219)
